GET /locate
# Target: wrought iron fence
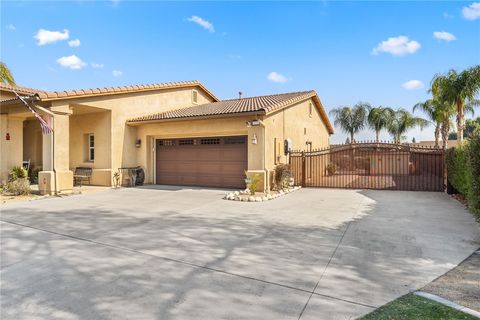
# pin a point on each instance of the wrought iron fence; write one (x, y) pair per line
(370, 165)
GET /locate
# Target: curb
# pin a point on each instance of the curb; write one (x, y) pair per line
(447, 303)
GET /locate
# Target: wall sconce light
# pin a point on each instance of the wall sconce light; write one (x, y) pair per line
(254, 139)
(7, 136)
(254, 123)
(138, 143)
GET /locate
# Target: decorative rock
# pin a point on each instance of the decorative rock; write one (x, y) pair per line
(244, 199)
(251, 198)
(258, 199)
(237, 193)
(264, 198)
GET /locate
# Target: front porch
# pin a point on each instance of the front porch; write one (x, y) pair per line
(81, 137)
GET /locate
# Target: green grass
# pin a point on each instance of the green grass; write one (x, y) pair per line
(413, 307)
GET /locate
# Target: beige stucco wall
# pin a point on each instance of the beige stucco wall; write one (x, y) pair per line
(295, 123)
(11, 150)
(98, 124)
(32, 142)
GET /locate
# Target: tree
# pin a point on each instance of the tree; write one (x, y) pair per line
(378, 118)
(430, 108)
(350, 120)
(5, 75)
(459, 89)
(402, 121)
(413, 140)
(471, 125)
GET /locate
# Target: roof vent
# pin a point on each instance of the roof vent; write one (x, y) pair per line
(240, 94)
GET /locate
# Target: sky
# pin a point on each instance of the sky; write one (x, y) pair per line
(384, 53)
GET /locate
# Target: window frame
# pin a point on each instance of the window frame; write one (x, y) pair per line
(91, 147)
(195, 96)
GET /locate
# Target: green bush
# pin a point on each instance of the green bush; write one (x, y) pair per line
(463, 172)
(33, 175)
(474, 159)
(18, 173)
(253, 182)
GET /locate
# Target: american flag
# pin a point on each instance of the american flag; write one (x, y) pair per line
(46, 128)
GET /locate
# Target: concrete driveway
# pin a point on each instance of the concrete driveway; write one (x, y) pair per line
(173, 253)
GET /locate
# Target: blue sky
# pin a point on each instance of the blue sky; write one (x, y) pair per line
(346, 51)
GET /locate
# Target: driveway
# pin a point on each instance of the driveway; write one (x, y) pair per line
(174, 253)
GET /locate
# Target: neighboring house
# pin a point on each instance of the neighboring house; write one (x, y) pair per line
(431, 144)
(179, 132)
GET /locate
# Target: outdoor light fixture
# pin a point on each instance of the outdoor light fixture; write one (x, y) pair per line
(254, 123)
(254, 139)
(138, 143)
(7, 136)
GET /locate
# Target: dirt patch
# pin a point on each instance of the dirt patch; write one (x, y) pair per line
(461, 284)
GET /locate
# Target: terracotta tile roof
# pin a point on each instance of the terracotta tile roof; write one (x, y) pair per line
(260, 104)
(57, 95)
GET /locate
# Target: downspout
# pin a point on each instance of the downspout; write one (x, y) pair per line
(53, 156)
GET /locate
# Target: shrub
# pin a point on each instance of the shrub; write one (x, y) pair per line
(283, 174)
(18, 173)
(253, 182)
(474, 159)
(463, 172)
(34, 174)
(18, 187)
(331, 168)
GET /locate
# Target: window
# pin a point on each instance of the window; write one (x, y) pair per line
(310, 109)
(194, 96)
(210, 141)
(186, 142)
(91, 147)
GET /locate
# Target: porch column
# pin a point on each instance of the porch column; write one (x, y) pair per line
(256, 156)
(56, 175)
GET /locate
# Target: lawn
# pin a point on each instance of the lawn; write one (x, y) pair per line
(411, 306)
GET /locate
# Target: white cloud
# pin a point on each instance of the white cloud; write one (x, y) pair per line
(72, 62)
(202, 22)
(413, 85)
(276, 77)
(97, 65)
(11, 27)
(448, 16)
(443, 35)
(74, 43)
(472, 12)
(45, 36)
(117, 73)
(397, 46)
(235, 56)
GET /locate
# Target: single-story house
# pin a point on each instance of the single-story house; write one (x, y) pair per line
(180, 133)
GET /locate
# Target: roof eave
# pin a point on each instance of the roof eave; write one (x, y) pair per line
(134, 122)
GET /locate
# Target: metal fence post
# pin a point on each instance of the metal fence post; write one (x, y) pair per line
(304, 166)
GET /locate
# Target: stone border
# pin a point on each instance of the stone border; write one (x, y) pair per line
(245, 196)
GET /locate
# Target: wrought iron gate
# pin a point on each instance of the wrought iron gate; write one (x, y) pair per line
(370, 166)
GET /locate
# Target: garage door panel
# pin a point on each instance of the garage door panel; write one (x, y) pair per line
(211, 165)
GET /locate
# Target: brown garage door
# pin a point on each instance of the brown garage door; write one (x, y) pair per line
(209, 162)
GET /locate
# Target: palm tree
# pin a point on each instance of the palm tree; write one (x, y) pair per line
(378, 118)
(439, 113)
(430, 108)
(6, 75)
(401, 121)
(459, 89)
(350, 120)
